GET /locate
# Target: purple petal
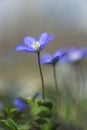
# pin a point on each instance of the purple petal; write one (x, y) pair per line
(20, 104)
(84, 51)
(72, 56)
(64, 59)
(17, 102)
(37, 95)
(46, 59)
(58, 53)
(24, 49)
(29, 40)
(43, 37)
(49, 39)
(75, 55)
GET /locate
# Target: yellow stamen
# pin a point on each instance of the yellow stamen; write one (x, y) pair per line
(37, 46)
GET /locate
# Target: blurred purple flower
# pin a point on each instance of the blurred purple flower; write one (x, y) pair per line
(37, 95)
(73, 55)
(20, 104)
(52, 59)
(33, 45)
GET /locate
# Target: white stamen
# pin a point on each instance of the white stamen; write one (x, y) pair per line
(36, 45)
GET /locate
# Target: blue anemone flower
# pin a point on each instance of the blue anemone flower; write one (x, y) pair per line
(20, 104)
(33, 45)
(74, 55)
(52, 59)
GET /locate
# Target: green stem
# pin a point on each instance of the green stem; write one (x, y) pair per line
(56, 84)
(43, 94)
(81, 78)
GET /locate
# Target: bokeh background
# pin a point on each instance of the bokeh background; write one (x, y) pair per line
(19, 73)
(66, 19)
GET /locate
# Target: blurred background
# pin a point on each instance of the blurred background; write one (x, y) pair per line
(66, 19)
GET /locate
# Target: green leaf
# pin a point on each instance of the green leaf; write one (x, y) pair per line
(46, 104)
(35, 112)
(45, 112)
(31, 103)
(41, 112)
(9, 111)
(24, 127)
(10, 123)
(47, 126)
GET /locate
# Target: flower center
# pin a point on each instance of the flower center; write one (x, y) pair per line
(36, 46)
(74, 56)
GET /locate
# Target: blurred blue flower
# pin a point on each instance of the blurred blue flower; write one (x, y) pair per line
(33, 45)
(37, 95)
(20, 104)
(52, 59)
(73, 55)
